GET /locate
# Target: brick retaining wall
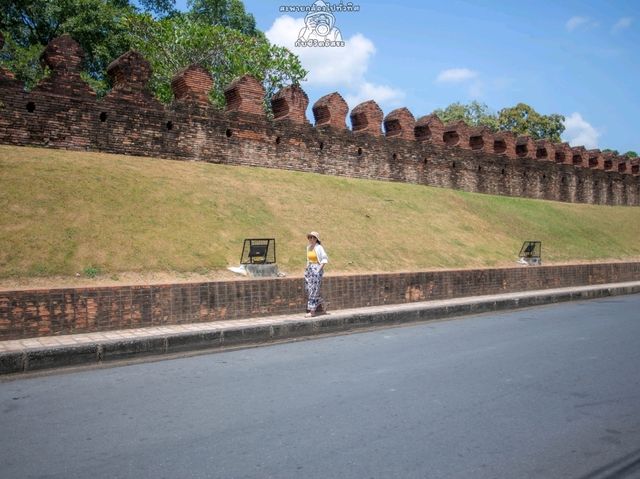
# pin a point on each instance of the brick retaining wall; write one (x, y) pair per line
(31, 313)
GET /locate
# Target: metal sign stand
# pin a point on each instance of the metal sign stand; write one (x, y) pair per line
(531, 253)
(259, 257)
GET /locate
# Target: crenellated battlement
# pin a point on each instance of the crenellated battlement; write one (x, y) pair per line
(331, 110)
(367, 118)
(62, 111)
(192, 85)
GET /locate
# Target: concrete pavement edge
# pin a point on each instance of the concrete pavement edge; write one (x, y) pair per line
(105, 351)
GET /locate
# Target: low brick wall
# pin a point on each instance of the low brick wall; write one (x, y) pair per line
(31, 313)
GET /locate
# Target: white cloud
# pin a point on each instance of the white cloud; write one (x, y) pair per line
(380, 93)
(577, 21)
(470, 79)
(334, 67)
(456, 75)
(326, 65)
(476, 89)
(622, 24)
(579, 132)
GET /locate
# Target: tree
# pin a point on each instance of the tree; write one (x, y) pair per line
(524, 120)
(161, 8)
(218, 34)
(474, 114)
(174, 43)
(29, 25)
(227, 13)
(521, 119)
(631, 154)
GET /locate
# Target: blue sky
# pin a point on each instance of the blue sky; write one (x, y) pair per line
(579, 59)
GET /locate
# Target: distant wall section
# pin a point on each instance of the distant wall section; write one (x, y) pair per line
(63, 112)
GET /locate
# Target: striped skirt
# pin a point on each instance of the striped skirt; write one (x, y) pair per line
(312, 282)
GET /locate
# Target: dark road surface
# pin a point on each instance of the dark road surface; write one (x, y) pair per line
(551, 392)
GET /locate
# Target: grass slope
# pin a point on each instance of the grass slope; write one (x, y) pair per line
(66, 212)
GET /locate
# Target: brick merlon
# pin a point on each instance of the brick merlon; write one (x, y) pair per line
(192, 84)
(331, 110)
(245, 94)
(429, 128)
(367, 118)
(400, 123)
(290, 103)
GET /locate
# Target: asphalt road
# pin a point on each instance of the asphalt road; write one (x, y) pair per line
(549, 392)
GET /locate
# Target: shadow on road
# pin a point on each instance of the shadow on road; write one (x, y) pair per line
(625, 467)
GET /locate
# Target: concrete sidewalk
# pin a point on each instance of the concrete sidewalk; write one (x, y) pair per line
(34, 354)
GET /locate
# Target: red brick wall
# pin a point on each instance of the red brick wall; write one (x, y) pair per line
(30, 313)
(63, 112)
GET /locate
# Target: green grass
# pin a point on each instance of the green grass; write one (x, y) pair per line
(64, 213)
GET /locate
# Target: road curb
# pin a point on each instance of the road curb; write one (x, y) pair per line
(104, 351)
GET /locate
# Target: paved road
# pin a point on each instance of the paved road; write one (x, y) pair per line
(549, 392)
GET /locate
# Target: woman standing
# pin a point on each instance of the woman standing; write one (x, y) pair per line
(316, 259)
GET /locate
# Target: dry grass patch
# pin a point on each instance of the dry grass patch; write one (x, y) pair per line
(66, 212)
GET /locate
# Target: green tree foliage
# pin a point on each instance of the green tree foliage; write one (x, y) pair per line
(521, 119)
(524, 120)
(227, 13)
(29, 25)
(174, 43)
(161, 8)
(631, 154)
(218, 34)
(474, 114)
(23, 61)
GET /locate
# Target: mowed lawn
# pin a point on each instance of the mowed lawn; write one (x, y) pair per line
(63, 213)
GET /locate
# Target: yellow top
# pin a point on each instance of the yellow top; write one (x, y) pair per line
(312, 257)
